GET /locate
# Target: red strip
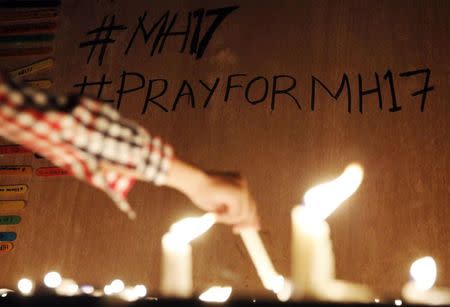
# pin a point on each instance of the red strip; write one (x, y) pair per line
(52, 172)
(13, 149)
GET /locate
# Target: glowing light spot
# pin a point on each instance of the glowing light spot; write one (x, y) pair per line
(216, 294)
(25, 286)
(108, 290)
(140, 290)
(424, 272)
(87, 289)
(52, 279)
(117, 286)
(68, 287)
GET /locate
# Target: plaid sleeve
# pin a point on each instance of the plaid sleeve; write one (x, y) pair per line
(84, 136)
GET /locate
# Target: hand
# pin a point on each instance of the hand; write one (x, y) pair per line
(227, 195)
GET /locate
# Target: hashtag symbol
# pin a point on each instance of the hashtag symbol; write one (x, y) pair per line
(107, 30)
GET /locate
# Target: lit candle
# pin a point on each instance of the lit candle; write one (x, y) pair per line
(420, 290)
(312, 254)
(177, 254)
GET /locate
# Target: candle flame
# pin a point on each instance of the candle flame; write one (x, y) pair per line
(324, 198)
(424, 273)
(188, 229)
(216, 294)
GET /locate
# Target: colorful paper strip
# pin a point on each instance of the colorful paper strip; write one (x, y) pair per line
(28, 28)
(24, 51)
(13, 149)
(19, 39)
(14, 4)
(8, 236)
(6, 247)
(51, 172)
(27, 15)
(10, 219)
(17, 189)
(43, 84)
(32, 68)
(7, 170)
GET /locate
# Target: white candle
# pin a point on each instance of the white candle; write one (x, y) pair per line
(420, 290)
(312, 253)
(270, 278)
(176, 278)
(433, 296)
(176, 267)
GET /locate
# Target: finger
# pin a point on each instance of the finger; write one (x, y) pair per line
(223, 214)
(237, 208)
(221, 210)
(251, 222)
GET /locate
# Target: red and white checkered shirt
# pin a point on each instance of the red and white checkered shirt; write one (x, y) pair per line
(84, 136)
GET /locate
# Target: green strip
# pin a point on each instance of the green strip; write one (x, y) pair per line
(9, 219)
(27, 38)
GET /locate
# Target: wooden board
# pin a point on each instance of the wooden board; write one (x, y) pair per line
(401, 210)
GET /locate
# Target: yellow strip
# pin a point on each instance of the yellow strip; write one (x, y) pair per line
(32, 68)
(16, 170)
(42, 84)
(13, 189)
(12, 204)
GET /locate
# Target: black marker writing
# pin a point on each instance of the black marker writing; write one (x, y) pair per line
(102, 41)
(426, 87)
(165, 95)
(163, 28)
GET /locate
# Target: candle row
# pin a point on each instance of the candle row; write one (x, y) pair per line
(68, 287)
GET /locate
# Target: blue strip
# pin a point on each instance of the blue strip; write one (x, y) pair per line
(8, 236)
